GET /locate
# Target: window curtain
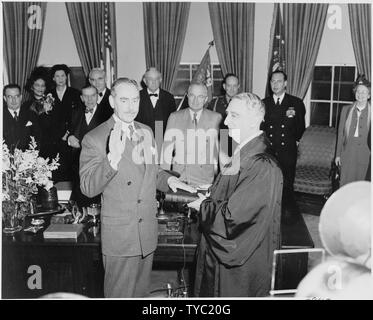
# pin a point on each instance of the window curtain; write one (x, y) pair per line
(304, 26)
(165, 27)
(360, 24)
(233, 29)
(23, 27)
(88, 22)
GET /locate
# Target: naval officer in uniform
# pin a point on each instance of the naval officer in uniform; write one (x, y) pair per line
(284, 125)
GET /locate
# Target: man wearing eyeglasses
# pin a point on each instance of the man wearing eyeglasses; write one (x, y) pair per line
(191, 140)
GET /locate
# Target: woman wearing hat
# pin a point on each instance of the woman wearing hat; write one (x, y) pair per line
(353, 152)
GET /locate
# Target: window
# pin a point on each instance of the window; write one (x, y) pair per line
(185, 75)
(331, 89)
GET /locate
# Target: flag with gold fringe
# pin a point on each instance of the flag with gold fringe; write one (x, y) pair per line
(202, 75)
(277, 50)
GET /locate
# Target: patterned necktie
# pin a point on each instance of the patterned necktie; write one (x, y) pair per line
(130, 128)
(15, 116)
(278, 102)
(88, 110)
(195, 119)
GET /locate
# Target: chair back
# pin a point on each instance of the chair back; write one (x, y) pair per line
(317, 146)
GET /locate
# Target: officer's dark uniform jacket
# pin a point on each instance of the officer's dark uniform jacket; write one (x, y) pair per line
(284, 126)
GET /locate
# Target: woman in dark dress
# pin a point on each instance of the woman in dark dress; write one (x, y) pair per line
(38, 86)
(56, 122)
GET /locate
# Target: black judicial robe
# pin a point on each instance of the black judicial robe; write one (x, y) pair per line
(240, 224)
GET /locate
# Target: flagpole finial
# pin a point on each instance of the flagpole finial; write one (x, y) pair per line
(211, 43)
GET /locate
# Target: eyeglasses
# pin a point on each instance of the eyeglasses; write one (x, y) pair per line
(199, 98)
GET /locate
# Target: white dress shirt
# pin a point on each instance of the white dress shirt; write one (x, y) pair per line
(152, 98)
(89, 115)
(275, 98)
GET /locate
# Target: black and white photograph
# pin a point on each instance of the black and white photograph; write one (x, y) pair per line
(183, 152)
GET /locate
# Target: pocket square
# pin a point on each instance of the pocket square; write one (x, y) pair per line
(29, 123)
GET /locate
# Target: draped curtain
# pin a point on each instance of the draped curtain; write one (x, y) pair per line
(233, 29)
(87, 22)
(360, 24)
(23, 27)
(304, 26)
(164, 33)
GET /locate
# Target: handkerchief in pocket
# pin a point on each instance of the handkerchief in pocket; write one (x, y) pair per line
(29, 123)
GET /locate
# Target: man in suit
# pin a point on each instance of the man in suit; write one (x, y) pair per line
(284, 125)
(97, 78)
(196, 160)
(118, 159)
(84, 120)
(19, 122)
(156, 104)
(231, 86)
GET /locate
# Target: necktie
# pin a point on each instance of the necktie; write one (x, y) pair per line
(100, 94)
(278, 102)
(15, 116)
(153, 95)
(88, 110)
(195, 119)
(130, 128)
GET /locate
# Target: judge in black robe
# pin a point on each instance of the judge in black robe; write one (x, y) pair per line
(240, 220)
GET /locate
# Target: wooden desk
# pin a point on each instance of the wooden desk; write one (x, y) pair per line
(76, 266)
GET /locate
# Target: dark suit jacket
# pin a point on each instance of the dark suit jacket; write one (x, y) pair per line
(128, 213)
(164, 107)
(17, 134)
(282, 130)
(105, 109)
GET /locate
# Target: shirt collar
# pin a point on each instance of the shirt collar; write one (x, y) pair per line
(156, 91)
(125, 125)
(12, 111)
(94, 109)
(247, 140)
(276, 97)
(198, 113)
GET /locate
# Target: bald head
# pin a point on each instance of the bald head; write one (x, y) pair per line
(197, 96)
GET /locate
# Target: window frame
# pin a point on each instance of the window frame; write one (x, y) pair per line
(331, 101)
(191, 64)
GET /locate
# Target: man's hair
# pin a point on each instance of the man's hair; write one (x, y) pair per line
(253, 103)
(89, 86)
(153, 69)
(228, 75)
(120, 81)
(11, 86)
(96, 70)
(281, 72)
(58, 67)
(193, 83)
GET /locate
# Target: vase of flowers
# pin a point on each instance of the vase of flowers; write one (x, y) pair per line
(22, 173)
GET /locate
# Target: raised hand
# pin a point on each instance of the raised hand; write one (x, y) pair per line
(117, 141)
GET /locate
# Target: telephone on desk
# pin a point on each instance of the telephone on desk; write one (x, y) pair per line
(173, 212)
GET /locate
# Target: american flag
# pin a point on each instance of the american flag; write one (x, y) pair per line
(277, 59)
(202, 75)
(107, 61)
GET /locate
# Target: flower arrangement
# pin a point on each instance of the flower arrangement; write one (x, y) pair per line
(43, 105)
(23, 172)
